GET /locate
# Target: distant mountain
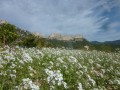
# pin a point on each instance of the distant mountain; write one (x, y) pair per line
(109, 46)
(116, 42)
(95, 42)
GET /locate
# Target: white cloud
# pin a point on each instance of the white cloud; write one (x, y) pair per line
(64, 16)
(107, 36)
(114, 25)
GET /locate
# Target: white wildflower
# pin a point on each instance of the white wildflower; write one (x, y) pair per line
(26, 57)
(117, 81)
(60, 60)
(12, 75)
(72, 59)
(14, 71)
(55, 76)
(91, 80)
(28, 84)
(80, 86)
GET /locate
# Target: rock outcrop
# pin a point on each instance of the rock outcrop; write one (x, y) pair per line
(58, 36)
(3, 21)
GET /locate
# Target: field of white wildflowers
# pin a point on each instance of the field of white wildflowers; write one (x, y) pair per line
(58, 69)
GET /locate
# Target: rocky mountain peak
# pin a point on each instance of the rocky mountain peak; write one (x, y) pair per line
(59, 36)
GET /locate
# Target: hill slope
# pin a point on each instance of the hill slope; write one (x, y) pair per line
(12, 35)
(116, 42)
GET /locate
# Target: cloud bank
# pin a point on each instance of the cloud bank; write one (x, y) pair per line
(94, 19)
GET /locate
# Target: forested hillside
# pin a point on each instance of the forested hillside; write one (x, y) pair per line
(12, 35)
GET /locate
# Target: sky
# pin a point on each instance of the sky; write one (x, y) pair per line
(96, 20)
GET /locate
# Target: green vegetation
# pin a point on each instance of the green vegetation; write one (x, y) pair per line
(12, 36)
(58, 69)
(8, 34)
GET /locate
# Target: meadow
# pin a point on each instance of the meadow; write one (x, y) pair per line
(58, 69)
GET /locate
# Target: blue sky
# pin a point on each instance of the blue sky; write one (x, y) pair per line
(94, 19)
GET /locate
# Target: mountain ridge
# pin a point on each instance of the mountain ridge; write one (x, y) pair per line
(28, 39)
(116, 42)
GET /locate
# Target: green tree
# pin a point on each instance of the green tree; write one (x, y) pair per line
(8, 33)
